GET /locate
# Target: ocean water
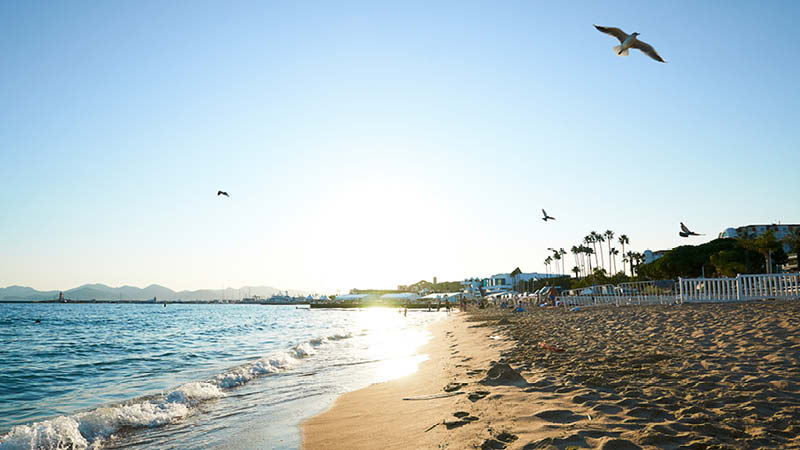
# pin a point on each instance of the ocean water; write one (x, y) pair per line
(188, 376)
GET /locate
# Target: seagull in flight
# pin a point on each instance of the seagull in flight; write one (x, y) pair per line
(685, 232)
(222, 193)
(630, 41)
(546, 217)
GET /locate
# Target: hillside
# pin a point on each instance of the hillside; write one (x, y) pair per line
(97, 291)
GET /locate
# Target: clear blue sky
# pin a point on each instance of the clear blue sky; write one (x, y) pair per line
(369, 144)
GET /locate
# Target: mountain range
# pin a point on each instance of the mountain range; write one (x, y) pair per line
(103, 292)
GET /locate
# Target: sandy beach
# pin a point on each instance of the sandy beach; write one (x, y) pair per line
(710, 376)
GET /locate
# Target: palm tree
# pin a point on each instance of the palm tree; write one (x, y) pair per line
(590, 240)
(576, 270)
(557, 257)
(609, 235)
(639, 260)
(614, 252)
(594, 237)
(623, 239)
(600, 240)
(563, 254)
(547, 262)
(630, 256)
(589, 253)
(574, 250)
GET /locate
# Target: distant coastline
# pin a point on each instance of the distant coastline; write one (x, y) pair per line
(151, 302)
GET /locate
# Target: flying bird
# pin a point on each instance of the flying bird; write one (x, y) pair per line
(685, 232)
(630, 41)
(222, 193)
(546, 217)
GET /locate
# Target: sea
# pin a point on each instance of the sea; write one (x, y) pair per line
(189, 376)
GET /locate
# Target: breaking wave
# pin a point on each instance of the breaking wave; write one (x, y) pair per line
(88, 430)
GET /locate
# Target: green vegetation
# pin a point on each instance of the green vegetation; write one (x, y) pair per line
(727, 257)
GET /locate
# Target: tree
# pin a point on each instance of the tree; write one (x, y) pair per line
(723, 256)
(764, 244)
(613, 252)
(600, 240)
(623, 239)
(574, 251)
(793, 240)
(631, 256)
(639, 260)
(563, 254)
(589, 252)
(779, 257)
(557, 258)
(609, 235)
(590, 239)
(547, 262)
(728, 263)
(576, 270)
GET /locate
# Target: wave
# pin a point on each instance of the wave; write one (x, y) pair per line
(88, 430)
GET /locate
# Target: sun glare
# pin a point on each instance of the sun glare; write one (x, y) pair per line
(393, 341)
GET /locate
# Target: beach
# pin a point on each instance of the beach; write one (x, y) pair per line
(701, 376)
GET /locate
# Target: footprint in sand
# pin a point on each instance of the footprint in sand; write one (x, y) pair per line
(477, 395)
(463, 415)
(560, 416)
(608, 409)
(500, 442)
(619, 444)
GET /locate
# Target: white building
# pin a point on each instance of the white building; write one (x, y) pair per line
(650, 256)
(780, 232)
(471, 287)
(507, 281)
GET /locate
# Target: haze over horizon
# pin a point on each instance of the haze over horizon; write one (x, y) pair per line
(370, 145)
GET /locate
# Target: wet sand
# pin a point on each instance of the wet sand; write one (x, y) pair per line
(712, 376)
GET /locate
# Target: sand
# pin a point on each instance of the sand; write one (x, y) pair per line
(712, 376)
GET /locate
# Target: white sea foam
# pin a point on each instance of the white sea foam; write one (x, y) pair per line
(303, 350)
(59, 433)
(338, 337)
(87, 430)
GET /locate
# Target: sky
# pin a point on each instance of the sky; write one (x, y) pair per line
(371, 144)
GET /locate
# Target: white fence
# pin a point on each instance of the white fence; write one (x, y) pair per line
(636, 293)
(690, 290)
(743, 287)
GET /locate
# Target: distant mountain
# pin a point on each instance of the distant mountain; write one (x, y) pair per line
(98, 291)
(25, 293)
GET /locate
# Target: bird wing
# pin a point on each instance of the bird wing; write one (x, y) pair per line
(648, 50)
(544, 212)
(219, 192)
(683, 227)
(616, 32)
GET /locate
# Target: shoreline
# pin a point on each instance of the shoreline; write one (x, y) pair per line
(711, 376)
(409, 412)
